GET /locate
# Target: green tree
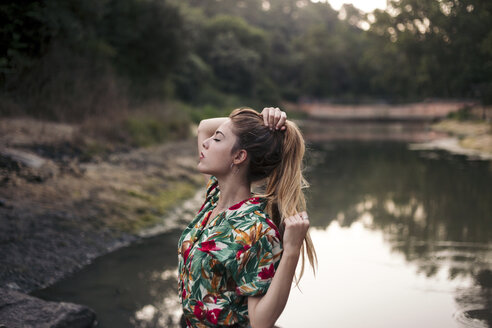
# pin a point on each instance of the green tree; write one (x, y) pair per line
(235, 51)
(439, 48)
(65, 59)
(147, 41)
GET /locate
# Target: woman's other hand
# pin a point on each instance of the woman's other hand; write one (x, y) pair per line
(274, 118)
(296, 227)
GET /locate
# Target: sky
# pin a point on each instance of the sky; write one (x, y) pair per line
(365, 5)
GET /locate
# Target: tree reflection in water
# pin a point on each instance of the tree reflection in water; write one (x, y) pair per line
(433, 207)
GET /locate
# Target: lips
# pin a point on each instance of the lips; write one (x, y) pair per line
(201, 155)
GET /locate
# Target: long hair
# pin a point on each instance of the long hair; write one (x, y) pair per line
(277, 157)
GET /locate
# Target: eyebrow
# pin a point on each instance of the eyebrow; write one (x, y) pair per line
(217, 132)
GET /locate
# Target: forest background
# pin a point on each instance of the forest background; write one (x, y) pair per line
(121, 67)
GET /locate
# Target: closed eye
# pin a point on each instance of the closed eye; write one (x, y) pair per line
(216, 139)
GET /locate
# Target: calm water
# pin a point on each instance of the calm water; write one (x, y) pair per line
(404, 239)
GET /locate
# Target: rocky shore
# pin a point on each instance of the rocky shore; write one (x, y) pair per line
(59, 211)
(20, 310)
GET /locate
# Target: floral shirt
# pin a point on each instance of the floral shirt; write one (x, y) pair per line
(224, 259)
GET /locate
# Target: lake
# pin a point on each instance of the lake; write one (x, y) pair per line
(403, 237)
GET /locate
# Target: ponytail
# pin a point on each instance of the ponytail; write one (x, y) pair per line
(284, 189)
(277, 156)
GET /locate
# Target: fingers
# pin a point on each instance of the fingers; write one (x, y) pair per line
(264, 114)
(274, 118)
(271, 118)
(297, 219)
(281, 121)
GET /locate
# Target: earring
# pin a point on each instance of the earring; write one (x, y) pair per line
(232, 164)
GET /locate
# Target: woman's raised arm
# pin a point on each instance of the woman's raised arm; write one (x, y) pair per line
(206, 128)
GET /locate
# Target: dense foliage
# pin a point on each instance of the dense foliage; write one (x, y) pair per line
(79, 58)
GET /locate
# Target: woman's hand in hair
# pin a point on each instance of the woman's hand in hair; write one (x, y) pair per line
(296, 227)
(274, 118)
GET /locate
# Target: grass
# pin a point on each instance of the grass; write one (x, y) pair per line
(147, 125)
(140, 195)
(143, 209)
(145, 129)
(169, 197)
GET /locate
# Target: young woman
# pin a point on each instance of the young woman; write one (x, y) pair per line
(237, 258)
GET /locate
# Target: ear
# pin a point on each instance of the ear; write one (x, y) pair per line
(240, 157)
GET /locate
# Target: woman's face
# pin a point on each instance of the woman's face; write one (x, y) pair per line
(215, 153)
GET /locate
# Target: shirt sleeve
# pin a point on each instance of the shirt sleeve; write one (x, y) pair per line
(257, 263)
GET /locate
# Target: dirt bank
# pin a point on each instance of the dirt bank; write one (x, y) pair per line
(476, 135)
(59, 211)
(472, 138)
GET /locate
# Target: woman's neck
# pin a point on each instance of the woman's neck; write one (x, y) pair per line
(233, 189)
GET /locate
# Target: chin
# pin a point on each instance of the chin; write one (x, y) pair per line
(206, 170)
(201, 169)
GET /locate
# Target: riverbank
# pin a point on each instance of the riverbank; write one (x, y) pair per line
(472, 138)
(60, 210)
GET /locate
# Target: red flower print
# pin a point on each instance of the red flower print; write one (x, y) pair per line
(254, 200)
(267, 273)
(186, 254)
(199, 310)
(238, 205)
(183, 295)
(208, 246)
(242, 250)
(213, 316)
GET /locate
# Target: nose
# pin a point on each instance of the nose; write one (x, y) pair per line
(205, 143)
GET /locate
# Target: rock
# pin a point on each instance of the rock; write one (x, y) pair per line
(27, 165)
(21, 310)
(28, 159)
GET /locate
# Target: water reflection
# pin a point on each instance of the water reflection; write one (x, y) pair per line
(164, 310)
(435, 210)
(476, 302)
(133, 287)
(362, 283)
